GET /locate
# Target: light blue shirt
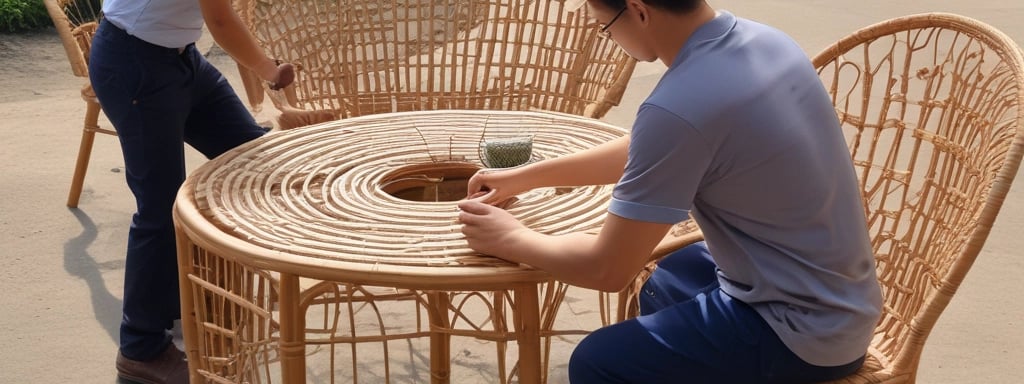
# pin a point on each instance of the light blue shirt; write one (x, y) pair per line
(740, 134)
(167, 23)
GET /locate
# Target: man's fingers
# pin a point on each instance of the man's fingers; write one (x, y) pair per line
(482, 196)
(472, 211)
(475, 207)
(285, 76)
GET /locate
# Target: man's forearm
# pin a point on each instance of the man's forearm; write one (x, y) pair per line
(599, 165)
(230, 34)
(569, 258)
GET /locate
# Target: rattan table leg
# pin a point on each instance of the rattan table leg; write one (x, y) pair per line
(189, 332)
(293, 327)
(440, 339)
(527, 317)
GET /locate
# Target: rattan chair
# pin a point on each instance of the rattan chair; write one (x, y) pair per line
(357, 57)
(931, 106)
(76, 21)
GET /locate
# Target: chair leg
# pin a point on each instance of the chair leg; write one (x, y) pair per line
(92, 114)
(628, 305)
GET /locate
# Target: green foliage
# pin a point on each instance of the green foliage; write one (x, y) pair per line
(23, 15)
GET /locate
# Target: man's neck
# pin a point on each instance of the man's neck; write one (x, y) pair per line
(678, 28)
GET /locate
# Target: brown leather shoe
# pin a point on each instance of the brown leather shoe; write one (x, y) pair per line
(169, 367)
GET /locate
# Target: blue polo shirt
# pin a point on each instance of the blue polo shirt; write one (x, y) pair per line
(741, 135)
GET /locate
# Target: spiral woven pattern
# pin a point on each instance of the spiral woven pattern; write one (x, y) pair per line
(316, 191)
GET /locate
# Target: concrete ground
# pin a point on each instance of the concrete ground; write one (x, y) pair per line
(62, 275)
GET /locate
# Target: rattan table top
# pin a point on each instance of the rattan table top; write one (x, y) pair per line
(312, 200)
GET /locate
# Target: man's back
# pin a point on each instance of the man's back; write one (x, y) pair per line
(763, 167)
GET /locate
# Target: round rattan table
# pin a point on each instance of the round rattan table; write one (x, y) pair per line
(363, 201)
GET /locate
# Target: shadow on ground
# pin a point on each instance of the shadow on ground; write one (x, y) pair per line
(78, 262)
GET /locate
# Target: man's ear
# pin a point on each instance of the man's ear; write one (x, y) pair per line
(639, 8)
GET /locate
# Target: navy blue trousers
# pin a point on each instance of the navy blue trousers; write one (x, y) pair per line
(159, 99)
(726, 340)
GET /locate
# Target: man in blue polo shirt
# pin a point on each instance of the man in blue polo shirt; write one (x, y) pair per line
(741, 135)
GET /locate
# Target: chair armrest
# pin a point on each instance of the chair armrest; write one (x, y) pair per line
(682, 234)
(256, 90)
(253, 88)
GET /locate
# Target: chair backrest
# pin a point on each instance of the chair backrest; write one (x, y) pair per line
(76, 22)
(360, 57)
(931, 106)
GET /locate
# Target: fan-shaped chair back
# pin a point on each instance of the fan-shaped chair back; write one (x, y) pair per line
(931, 106)
(357, 57)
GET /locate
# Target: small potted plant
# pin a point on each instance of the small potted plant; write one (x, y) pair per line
(506, 151)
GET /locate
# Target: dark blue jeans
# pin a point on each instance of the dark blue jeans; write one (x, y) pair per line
(726, 341)
(158, 99)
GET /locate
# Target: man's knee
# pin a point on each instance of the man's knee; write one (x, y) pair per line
(591, 357)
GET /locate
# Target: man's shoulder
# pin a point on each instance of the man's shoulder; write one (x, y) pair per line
(690, 91)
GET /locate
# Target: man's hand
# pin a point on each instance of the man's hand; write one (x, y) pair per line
(496, 187)
(284, 76)
(489, 230)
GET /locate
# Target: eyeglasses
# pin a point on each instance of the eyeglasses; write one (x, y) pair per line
(603, 31)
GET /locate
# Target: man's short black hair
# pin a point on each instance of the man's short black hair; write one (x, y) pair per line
(675, 6)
